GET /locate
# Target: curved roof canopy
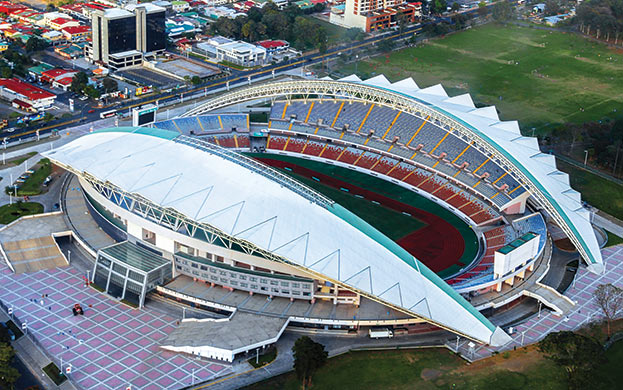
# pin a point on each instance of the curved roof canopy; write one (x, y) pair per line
(536, 170)
(247, 200)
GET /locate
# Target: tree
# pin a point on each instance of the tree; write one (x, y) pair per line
(610, 300)
(35, 44)
(8, 374)
(308, 357)
(502, 10)
(386, 45)
(552, 7)
(578, 354)
(110, 85)
(91, 92)
(79, 82)
(196, 80)
(455, 7)
(482, 8)
(402, 20)
(438, 6)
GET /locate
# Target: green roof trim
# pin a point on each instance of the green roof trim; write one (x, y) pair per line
(154, 132)
(405, 256)
(516, 243)
(135, 256)
(242, 270)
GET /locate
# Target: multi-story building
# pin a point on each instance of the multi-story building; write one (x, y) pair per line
(122, 37)
(373, 15)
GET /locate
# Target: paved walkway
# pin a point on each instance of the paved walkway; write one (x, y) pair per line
(610, 224)
(585, 310)
(111, 346)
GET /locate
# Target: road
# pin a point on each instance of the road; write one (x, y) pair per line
(236, 78)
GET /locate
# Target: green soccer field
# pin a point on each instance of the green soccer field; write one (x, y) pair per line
(540, 78)
(393, 224)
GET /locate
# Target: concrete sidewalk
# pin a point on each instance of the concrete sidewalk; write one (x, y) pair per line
(35, 360)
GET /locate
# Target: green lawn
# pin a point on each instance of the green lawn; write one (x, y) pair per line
(425, 369)
(393, 224)
(610, 373)
(11, 212)
(599, 192)
(264, 359)
(33, 185)
(543, 78)
(335, 33)
(20, 159)
(613, 239)
(54, 373)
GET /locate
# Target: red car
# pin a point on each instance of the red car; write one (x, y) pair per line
(91, 111)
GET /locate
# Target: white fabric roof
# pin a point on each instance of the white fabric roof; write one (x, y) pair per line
(242, 203)
(523, 151)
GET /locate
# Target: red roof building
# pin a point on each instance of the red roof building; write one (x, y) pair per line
(61, 23)
(273, 46)
(6, 7)
(12, 89)
(76, 33)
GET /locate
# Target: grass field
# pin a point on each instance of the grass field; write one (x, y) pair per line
(540, 78)
(613, 239)
(425, 369)
(389, 222)
(393, 224)
(335, 33)
(11, 212)
(599, 192)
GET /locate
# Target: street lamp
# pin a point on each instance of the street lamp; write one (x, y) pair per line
(585, 157)
(356, 62)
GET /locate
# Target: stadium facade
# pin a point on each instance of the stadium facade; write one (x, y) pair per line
(190, 200)
(184, 205)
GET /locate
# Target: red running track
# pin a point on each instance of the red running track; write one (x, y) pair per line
(438, 245)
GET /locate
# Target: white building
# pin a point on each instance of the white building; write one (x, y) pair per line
(241, 53)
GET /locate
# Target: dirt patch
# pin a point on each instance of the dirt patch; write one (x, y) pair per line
(565, 244)
(430, 374)
(516, 361)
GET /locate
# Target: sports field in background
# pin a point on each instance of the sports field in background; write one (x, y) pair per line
(431, 233)
(538, 77)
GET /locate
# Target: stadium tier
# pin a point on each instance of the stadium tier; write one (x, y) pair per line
(442, 188)
(207, 124)
(388, 130)
(242, 234)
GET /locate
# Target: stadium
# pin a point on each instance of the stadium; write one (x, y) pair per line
(358, 204)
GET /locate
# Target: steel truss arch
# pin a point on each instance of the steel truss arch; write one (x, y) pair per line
(414, 106)
(178, 222)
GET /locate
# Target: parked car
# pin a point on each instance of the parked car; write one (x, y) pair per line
(91, 111)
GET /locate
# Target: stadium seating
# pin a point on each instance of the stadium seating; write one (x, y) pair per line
(276, 142)
(350, 155)
(325, 110)
(429, 143)
(295, 144)
(206, 124)
(533, 223)
(367, 160)
(384, 165)
(332, 152)
(314, 148)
